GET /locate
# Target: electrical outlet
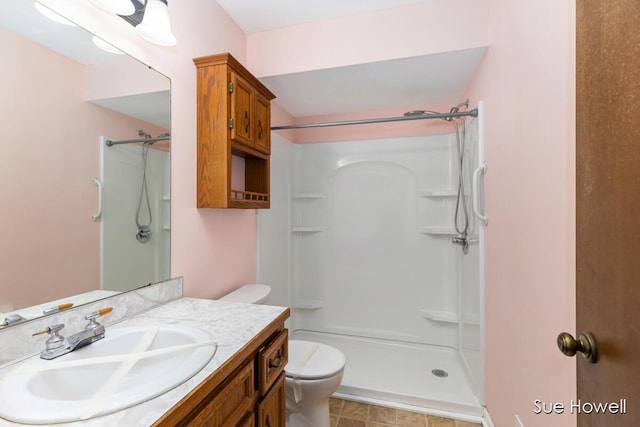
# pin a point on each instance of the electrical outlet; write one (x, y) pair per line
(518, 423)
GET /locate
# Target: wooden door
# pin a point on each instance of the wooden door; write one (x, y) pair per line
(608, 210)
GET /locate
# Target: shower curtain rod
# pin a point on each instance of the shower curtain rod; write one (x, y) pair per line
(472, 113)
(111, 142)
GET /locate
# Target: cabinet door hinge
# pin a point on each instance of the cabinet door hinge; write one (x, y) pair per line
(230, 87)
(230, 122)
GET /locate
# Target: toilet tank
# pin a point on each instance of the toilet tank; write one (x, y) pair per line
(250, 294)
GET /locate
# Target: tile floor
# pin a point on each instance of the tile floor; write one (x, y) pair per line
(346, 413)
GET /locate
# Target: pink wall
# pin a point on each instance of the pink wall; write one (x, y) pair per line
(50, 143)
(527, 83)
(371, 37)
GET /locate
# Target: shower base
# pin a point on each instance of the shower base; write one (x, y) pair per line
(400, 374)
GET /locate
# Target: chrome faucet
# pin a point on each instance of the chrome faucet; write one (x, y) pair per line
(57, 345)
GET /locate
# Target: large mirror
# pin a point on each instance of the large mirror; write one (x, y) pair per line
(79, 220)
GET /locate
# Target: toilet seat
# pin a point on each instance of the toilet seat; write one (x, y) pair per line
(318, 360)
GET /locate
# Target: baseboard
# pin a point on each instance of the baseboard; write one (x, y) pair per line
(486, 419)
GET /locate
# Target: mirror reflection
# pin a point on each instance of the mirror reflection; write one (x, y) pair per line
(79, 220)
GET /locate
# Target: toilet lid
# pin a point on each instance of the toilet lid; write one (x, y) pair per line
(311, 361)
(250, 294)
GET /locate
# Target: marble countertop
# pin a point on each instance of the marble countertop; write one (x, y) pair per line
(231, 324)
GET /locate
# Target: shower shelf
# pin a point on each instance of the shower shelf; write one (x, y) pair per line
(307, 196)
(307, 229)
(440, 316)
(437, 193)
(445, 231)
(307, 304)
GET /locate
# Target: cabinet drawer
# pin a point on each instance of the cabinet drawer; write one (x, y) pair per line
(271, 411)
(231, 404)
(271, 361)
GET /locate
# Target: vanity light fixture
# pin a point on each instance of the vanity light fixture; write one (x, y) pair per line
(156, 26)
(119, 7)
(150, 17)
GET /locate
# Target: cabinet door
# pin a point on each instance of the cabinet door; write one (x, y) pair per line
(229, 405)
(249, 422)
(242, 114)
(271, 411)
(262, 134)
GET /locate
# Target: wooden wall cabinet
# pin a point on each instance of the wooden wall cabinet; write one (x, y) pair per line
(234, 119)
(246, 391)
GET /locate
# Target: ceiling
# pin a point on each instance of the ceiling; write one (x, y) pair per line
(255, 16)
(404, 84)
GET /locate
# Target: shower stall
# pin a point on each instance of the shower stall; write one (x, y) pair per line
(359, 242)
(135, 209)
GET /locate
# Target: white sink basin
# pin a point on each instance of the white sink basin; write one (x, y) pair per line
(129, 366)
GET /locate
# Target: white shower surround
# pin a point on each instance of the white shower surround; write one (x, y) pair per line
(126, 263)
(357, 243)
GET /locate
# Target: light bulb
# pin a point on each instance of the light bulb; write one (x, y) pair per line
(156, 25)
(106, 46)
(119, 7)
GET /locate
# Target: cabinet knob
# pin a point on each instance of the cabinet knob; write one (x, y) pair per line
(276, 364)
(246, 116)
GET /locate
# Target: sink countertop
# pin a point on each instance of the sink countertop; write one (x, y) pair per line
(231, 324)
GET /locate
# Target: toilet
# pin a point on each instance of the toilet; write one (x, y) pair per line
(312, 374)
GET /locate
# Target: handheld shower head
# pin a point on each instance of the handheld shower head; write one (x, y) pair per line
(415, 113)
(455, 109)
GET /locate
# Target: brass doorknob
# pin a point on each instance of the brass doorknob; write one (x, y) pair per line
(585, 345)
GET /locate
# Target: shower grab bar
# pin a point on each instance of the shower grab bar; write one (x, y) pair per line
(96, 216)
(474, 189)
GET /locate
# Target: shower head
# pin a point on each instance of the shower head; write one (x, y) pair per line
(149, 140)
(457, 108)
(416, 113)
(464, 104)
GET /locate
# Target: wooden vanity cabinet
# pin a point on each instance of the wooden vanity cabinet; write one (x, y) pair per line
(234, 119)
(248, 390)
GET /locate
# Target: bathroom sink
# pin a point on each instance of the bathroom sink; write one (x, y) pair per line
(129, 366)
